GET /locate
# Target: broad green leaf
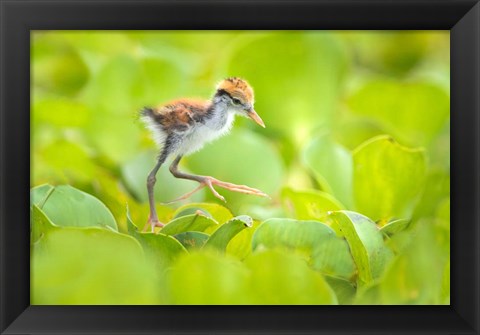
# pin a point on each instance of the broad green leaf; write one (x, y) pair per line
(90, 266)
(64, 162)
(67, 206)
(223, 235)
(344, 289)
(395, 226)
(160, 249)
(414, 111)
(281, 279)
(56, 67)
(445, 291)
(192, 239)
(240, 245)
(244, 158)
(193, 222)
(208, 279)
(366, 244)
(396, 53)
(167, 187)
(60, 112)
(217, 212)
(162, 80)
(313, 240)
(309, 204)
(315, 63)
(437, 188)
(264, 278)
(332, 166)
(417, 275)
(40, 224)
(387, 177)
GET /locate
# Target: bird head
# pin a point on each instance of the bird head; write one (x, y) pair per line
(238, 95)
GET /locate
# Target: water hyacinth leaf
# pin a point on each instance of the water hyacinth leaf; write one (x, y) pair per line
(193, 222)
(204, 278)
(67, 206)
(309, 204)
(240, 246)
(90, 266)
(413, 112)
(314, 240)
(366, 244)
(318, 59)
(417, 275)
(167, 187)
(280, 278)
(60, 112)
(160, 249)
(57, 67)
(40, 224)
(265, 278)
(344, 290)
(218, 212)
(395, 226)
(332, 166)
(240, 168)
(223, 235)
(64, 161)
(192, 239)
(387, 178)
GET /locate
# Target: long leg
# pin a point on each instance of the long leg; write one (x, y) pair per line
(209, 182)
(151, 180)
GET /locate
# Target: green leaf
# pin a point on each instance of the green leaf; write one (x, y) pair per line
(313, 240)
(240, 246)
(40, 224)
(222, 236)
(161, 249)
(387, 177)
(67, 206)
(56, 67)
(194, 222)
(309, 204)
(395, 226)
(414, 111)
(60, 112)
(217, 212)
(344, 289)
(366, 244)
(417, 275)
(264, 278)
(64, 162)
(315, 64)
(90, 266)
(332, 166)
(192, 239)
(235, 158)
(283, 279)
(167, 187)
(445, 290)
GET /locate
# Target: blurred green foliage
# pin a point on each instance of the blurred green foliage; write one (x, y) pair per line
(355, 157)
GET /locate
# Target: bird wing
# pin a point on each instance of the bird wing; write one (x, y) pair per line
(180, 115)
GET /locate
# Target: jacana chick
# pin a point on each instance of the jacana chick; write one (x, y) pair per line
(184, 126)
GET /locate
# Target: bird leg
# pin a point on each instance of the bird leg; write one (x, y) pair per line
(207, 181)
(151, 180)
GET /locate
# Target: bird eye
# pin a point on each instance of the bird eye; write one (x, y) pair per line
(236, 101)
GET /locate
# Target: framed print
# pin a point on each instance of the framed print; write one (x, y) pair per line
(230, 167)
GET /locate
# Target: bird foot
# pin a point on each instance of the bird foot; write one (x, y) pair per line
(210, 181)
(152, 224)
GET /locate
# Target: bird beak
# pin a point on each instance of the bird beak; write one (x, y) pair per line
(254, 116)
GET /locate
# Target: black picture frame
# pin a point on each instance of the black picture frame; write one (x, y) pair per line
(18, 17)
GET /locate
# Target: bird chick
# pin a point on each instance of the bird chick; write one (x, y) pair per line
(184, 126)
